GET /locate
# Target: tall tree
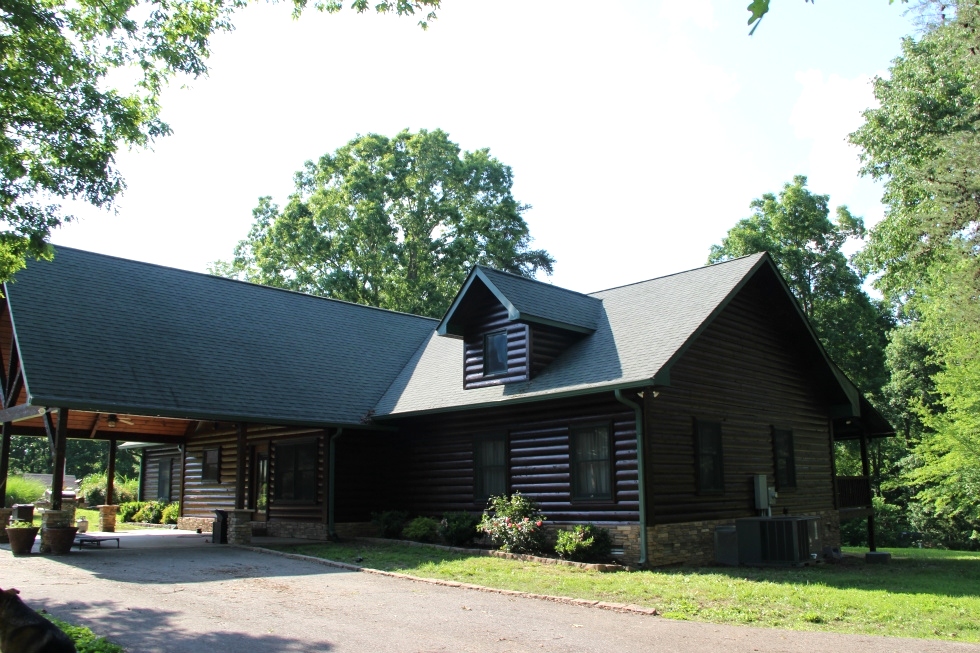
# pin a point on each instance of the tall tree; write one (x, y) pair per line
(795, 229)
(922, 142)
(61, 123)
(390, 222)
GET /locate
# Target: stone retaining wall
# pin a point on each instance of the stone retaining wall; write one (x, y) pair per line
(205, 524)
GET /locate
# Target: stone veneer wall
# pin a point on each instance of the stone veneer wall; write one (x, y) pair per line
(206, 524)
(318, 530)
(693, 543)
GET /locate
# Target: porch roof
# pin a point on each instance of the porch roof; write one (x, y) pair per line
(100, 333)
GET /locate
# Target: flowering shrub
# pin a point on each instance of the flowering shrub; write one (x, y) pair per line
(588, 543)
(514, 523)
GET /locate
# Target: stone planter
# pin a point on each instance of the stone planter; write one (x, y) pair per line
(21, 540)
(60, 540)
(82, 524)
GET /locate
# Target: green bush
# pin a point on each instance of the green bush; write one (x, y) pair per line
(171, 513)
(458, 528)
(514, 524)
(587, 543)
(422, 529)
(390, 522)
(93, 489)
(150, 513)
(22, 490)
(128, 510)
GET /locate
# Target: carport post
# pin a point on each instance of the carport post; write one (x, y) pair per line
(866, 469)
(241, 467)
(4, 462)
(60, 443)
(110, 473)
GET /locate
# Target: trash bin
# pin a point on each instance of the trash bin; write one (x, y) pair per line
(22, 512)
(219, 534)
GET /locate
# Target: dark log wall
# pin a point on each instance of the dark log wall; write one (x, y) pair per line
(368, 468)
(745, 373)
(438, 467)
(201, 498)
(150, 480)
(546, 344)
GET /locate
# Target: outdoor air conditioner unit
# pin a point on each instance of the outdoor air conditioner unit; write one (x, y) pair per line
(776, 540)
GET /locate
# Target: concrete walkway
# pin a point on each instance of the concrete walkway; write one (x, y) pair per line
(171, 592)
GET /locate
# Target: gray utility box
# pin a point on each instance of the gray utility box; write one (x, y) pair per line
(726, 546)
(775, 540)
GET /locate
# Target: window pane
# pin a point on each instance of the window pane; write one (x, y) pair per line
(711, 474)
(495, 353)
(490, 467)
(295, 471)
(785, 462)
(592, 467)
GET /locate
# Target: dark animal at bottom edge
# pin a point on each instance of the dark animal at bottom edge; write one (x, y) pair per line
(22, 630)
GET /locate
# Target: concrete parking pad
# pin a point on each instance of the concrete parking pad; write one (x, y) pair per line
(174, 592)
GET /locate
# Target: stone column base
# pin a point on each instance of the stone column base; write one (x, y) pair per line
(52, 519)
(240, 527)
(107, 518)
(4, 520)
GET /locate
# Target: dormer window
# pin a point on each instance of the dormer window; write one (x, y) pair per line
(495, 353)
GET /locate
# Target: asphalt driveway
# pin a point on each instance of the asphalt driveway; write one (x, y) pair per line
(188, 595)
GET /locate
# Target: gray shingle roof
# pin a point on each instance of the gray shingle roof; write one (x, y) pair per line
(529, 300)
(641, 330)
(102, 333)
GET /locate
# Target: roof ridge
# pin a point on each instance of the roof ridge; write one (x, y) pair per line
(674, 274)
(531, 279)
(241, 281)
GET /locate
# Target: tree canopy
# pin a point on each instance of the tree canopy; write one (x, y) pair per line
(795, 228)
(921, 141)
(390, 222)
(61, 123)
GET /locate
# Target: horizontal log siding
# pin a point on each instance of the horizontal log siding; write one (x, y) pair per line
(546, 344)
(284, 511)
(150, 480)
(201, 499)
(368, 470)
(438, 461)
(492, 316)
(744, 373)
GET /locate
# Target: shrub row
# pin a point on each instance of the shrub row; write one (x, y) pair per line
(149, 512)
(22, 490)
(513, 523)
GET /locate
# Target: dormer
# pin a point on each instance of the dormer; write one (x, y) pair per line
(513, 327)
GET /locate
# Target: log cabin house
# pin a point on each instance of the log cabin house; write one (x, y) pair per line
(654, 409)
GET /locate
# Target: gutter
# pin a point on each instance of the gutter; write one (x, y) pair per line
(640, 472)
(332, 486)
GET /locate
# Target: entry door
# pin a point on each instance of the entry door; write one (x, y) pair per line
(259, 484)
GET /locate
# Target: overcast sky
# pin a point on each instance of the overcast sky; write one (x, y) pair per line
(639, 131)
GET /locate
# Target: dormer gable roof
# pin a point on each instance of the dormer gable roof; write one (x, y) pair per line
(526, 300)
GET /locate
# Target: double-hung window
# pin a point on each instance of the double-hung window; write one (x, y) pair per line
(495, 353)
(489, 466)
(710, 470)
(295, 471)
(782, 445)
(591, 462)
(164, 485)
(211, 465)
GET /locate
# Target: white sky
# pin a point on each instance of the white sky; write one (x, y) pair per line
(638, 130)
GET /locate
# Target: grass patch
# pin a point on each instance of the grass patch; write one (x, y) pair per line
(85, 640)
(922, 593)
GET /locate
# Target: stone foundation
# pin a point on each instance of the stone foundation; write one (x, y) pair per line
(53, 519)
(240, 527)
(4, 520)
(318, 530)
(204, 524)
(107, 518)
(693, 543)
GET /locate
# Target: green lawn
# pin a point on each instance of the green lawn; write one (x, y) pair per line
(921, 593)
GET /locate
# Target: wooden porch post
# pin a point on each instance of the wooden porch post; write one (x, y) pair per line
(60, 443)
(866, 470)
(110, 473)
(4, 464)
(242, 468)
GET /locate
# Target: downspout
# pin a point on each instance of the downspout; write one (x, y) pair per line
(332, 486)
(640, 472)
